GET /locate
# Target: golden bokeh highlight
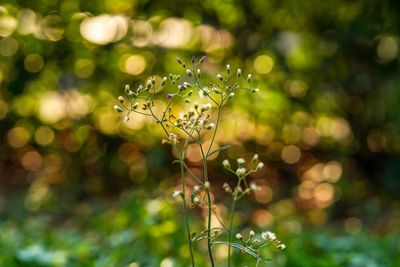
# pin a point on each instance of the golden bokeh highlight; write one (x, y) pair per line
(133, 64)
(32, 161)
(8, 46)
(44, 135)
(263, 64)
(84, 68)
(18, 137)
(34, 63)
(291, 154)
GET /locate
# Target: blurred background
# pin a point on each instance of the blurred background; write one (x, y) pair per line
(80, 188)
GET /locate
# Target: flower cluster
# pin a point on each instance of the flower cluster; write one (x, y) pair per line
(255, 243)
(242, 172)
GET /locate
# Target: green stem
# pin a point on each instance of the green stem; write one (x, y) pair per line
(209, 243)
(231, 212)
(185, 215)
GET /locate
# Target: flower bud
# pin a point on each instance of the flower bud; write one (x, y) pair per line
(193, 59)
(219, 76)
(121, 99)
(259, 166)
(226, 164)
(210, 126)
(228, 69)
(241, 161)
(231, 95)
(117, 108)
(189, 72)
(249, 78)
(202, 59)
(251, 234)
(239, 236)
(179, 60)
(206, 107)
(164, 80)
(255, 158)
(207, 184)
(126, 118)
(241, 171)
(281, 246)
(239, 73)
(198, 73)
(136, 105)
(255, 90)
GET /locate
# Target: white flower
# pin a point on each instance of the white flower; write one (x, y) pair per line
(252, 233)
(268, 235)
(241, 171)
(210, 126)
(239, 236)
(231, 95)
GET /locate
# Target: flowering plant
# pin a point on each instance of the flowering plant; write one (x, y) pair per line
(189, 127)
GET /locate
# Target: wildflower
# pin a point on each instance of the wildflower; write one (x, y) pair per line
(268, 235)
(169, 96)
(126, 118)
(231, 95)
(198, 72)
(251, 234)
(241, 161)
(207, 184)
(219, 76)
(255, 158)
(228, 68)
(281, 246)
(255, 90)
(257, 241)
(179, 60)
(239, 73)
(193, 59)
(259, 166)
(135, 106)
(118, 108)
(121, 99)
(239, 236)
(202, 59)
(241, 171)
(226, 164)
(196, 188)
(189, 72)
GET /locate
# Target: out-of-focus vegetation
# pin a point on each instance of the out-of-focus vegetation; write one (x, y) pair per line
(327, 126)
